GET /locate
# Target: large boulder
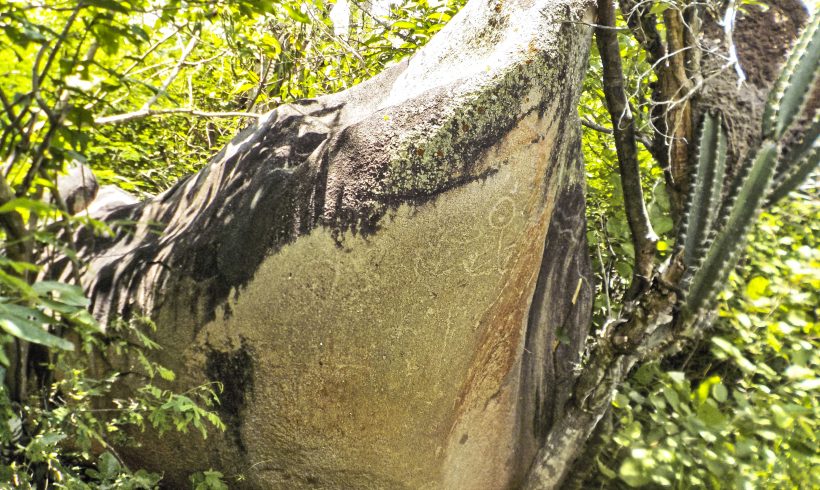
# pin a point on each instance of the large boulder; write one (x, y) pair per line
(359, 271)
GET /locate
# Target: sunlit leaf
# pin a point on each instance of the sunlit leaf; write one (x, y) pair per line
(25, 329)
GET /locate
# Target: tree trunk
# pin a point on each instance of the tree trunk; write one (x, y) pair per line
(391, 282)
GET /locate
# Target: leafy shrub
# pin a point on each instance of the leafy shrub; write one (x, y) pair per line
(65, 431)
(742, 411)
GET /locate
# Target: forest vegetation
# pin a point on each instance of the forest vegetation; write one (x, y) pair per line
(145, 92)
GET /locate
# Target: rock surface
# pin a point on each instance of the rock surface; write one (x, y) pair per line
(77, 187)
(380, 277)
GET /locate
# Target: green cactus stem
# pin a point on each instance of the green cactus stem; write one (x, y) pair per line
(794, 84)
(706, 189)
(720, 257)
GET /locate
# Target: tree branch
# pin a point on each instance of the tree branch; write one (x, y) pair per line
(167, 83)
(150, 50)
(622, 344)
(644, 239)
(642, 139)
(14, 121)
(143, 113)
(595, 127)
(56, 116)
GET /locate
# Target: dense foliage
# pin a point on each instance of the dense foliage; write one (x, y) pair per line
(144, 92)
(741, 411)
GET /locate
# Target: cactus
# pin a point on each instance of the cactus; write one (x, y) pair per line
(705, 196)
(792, 87)
(711, 244)
(798, 164)
(720, 258)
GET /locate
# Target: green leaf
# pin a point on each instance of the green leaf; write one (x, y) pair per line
(620, 401)
(624, 269)
(4, 362)
(710, 415)
(23, 203)
(296, 14)
(64, 293)
(658, 8)
(29, 331)
(632, 473)
(719, 392)
(403, 24)
(808, 385)
(272, 45)
(85, 319)
(705, 387)
(781, 418)
(672, 397)
(757, 287)
(605, 470)
(108, 466)
(139, 32)
(725, 345)
(166, 373)
(19, 286)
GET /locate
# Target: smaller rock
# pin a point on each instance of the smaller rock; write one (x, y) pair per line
(78, 187)
(109, 198)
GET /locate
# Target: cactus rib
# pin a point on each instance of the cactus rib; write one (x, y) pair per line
(706, 190)
(796, 175)
(794, 83)
(719, 258)
(711, 245)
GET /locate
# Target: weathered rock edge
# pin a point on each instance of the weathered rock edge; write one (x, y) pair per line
(358, 270)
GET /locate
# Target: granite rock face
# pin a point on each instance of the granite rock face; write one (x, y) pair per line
(380, 277)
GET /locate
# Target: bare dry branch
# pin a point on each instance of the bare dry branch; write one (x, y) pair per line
(143, 113)
(192, 43)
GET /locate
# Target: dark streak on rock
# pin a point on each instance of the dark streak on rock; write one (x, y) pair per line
(234, 371)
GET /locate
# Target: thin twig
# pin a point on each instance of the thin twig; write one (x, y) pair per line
(605, 280)
(56, 116)
(596, 26)
(167, 83)
(383, 23)
(333, 37)
(150, 50)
